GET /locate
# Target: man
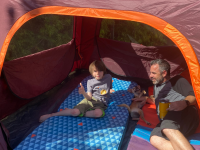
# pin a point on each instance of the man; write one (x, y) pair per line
(182, 117)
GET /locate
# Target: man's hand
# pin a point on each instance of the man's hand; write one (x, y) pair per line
(177, 106)
(81, 89)
(143, 98)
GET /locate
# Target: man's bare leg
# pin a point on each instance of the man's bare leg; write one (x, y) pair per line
(94, 113)
(177, 139)
(66, 112)
(160, 143)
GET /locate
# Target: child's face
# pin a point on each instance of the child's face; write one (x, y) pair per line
(97, 74)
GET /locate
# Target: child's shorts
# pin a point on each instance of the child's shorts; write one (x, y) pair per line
(87, 105)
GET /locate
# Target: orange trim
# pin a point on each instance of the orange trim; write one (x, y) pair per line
(87, 12)
(151, 20)
(189, 55)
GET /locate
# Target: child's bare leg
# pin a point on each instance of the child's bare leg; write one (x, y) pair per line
(66, 112)
(94, 113)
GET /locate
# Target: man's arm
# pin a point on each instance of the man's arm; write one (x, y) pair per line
(180, 105)
(182, 86)
(191, 99)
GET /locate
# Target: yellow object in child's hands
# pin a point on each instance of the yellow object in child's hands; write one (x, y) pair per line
(103, 92)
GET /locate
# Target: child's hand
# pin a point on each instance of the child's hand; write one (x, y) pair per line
(112, 91)
(81, 90)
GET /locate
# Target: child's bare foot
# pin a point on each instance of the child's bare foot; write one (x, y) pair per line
(66, 108)
(44, 117)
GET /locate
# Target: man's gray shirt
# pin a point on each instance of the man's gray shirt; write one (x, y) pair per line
(165, 90)
(100, 89)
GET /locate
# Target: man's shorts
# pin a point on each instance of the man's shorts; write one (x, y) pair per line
(87, 105)
(186, 121)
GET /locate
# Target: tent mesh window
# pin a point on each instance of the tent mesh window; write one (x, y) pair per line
(133, 32)
(40, 33)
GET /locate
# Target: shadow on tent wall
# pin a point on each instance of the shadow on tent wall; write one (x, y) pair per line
(133, 60)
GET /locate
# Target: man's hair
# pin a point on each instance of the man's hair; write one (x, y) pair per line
(163, 65)
(99, 65)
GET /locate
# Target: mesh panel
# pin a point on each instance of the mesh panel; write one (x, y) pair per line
(40, 33)
(133, 32)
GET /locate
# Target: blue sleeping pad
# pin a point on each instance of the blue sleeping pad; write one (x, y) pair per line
(81, 133)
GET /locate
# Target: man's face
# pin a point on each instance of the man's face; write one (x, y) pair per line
(155, 75)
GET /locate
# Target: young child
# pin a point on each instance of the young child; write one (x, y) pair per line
(95, 100)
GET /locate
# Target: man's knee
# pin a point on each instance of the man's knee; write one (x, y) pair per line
(170, 132)
(155, 141)
(98, 113)
(152, 140)
(169, 127)
(75, 112)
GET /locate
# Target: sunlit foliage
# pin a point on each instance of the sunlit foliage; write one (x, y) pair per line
(134, 32)
(40, 33)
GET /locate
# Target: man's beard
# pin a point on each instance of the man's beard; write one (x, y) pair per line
(158, 81)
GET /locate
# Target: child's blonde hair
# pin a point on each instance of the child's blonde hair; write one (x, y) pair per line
(99, 65)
